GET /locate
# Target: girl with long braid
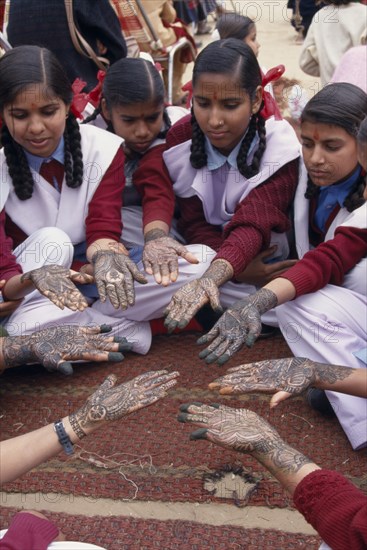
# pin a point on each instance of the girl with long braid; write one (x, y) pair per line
(234, 168)
(321, 301)
(70, 215)
(61, 190)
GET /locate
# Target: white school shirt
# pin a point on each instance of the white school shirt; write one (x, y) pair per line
(282, 146)
(66, 210)
(356, 278)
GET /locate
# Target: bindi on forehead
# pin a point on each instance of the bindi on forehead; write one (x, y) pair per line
(316, 134)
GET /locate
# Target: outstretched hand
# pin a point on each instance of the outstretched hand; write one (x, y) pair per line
(187, 301)
(237, 429)
(111, 402)
(160, 259)
(56, 283)
(239, 324)
(287, 377)
(114, 274)
(247, 432)
(56, 347)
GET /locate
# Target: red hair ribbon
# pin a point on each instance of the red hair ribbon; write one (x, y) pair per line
(188, 88)
(270, 105)
(81, 99)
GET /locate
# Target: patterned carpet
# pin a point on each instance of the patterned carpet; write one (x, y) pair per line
(150, 456)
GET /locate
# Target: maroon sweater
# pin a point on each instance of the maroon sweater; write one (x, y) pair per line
(265, 209)
(335, 508)
(153, 183)
(103, 220)
(29, 532)
(8, 264)
(329, 262)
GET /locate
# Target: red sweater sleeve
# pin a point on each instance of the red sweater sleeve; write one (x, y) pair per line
(335, 508)
(330, 261)
(152, 181)
(180, 132)
(29, 532)
(8, 264)
(104, 214)
(265, 209)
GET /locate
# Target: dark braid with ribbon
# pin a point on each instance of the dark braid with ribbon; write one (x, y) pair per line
(235, 57)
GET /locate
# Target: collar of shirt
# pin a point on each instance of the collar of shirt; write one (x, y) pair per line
(215, 159)
(332, 195)
(36, 162)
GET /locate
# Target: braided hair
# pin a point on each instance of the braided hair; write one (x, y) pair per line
(21, 68)
(344, 105)
(232, 57)
(134, 80)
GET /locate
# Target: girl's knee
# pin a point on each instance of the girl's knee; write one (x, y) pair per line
(49, 245)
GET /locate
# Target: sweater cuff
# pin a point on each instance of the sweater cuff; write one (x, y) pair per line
(153, 215)
(316, 489)
(28, 531)
(299, 280)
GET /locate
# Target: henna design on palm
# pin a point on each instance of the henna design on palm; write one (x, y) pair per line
(160, 256)
(54, 282)
(110, 402)
(114, 274)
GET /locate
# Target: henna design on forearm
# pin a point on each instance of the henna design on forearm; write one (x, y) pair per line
(16, 351)
(114, 274)
(330, 374)
(219, 271)
(154, 234)
(285, 459)
(264, 300)
(244, 431)
(293, 375)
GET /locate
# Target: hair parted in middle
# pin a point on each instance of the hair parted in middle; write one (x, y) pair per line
(231, 57)
(344, 105)
(21, 68)
(134, 80)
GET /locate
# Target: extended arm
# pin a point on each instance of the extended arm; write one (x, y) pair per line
(113, 271)
(291, 376)
(334, 507)
(110, 402)
(244, 431)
